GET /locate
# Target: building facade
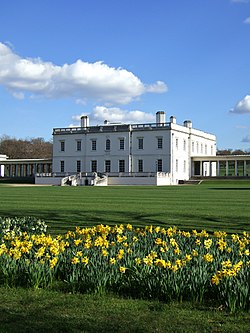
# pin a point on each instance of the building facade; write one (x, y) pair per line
(132, 149)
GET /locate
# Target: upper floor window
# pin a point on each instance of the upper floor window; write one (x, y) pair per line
(176, 165)
(62, 145)
(176, 143)
(201, 148)
(184, 145)
(122, 143)
(93, 144)
(212, 150)
(107, 147)
(140, 143)
(206, 149)
(197, 147)
(192, 146)
(159, 143)
(78, 145)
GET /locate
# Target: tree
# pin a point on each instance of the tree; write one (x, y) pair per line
(28, 148)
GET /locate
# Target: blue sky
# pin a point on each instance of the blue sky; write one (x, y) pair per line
(123, 60)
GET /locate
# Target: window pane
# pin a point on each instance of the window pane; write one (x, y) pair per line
(107, 144)
(93, 166)
(121, 165)
(159, 143)
(140, 143)
(122, 145)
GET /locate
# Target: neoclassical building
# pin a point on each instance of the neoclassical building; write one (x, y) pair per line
(132, 153)
(159, 153)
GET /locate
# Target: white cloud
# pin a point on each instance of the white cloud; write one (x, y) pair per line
(243, 106)
(80, 80)
(117, 115)
(247, 20)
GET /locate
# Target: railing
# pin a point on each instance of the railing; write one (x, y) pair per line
(109, 128)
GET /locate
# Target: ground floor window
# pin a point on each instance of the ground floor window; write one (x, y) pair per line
(78, 166)
(159, 166)
(62, 166)
(121, 165)
(140, 165)
(107, 166)
(94, 166)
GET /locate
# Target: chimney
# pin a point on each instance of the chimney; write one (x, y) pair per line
(188, 123)
(160, 117)
(84, 121)
(172, 120)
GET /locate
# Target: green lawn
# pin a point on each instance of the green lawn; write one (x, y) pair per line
(213, 205)
(49, 311)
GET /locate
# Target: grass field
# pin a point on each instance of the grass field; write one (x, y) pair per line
(213, 205)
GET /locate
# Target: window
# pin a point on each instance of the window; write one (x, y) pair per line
(107, 144)
(176, 165)
(159, 143)
(206, 149)
(122, 144)
(184, 145)
(121, 165)
(159, 166)
(78, 145)
(78, 166)
(140, 165)
(62, 145)
(201, 148)
(94, 166)
(107, 166)
(192, 146)
(176, 143)
(93, 144)
(184, 166)
(62, 166)
(140, 143)
(197, 147)
(212, 150)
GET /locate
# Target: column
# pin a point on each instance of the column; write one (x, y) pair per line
(227, 168)
(236, 168)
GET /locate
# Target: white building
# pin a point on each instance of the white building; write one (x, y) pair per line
(158, 153)
(2, 168)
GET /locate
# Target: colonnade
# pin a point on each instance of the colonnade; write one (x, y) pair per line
(25, 168)
(221, 166)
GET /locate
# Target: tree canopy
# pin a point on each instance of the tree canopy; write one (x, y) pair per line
(25, 148)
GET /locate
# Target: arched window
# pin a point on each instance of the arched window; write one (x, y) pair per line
(108, 144)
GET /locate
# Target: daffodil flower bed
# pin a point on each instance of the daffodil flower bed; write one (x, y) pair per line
(151, 262)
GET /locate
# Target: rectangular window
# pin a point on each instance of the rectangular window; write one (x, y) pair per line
(201, 148)
(176, 165)
(184, 145)
(140, 143)
(192, 146)
(107, 166)
(93, 144)
(212, 150)
(197, 147)
(184, 166)
(159, 143)
(78, 145)
(78, 166)
(121, 165)
(140, 165)
(176, 143)
(205, 149)
(122, 144)
(107, 147)
(62, 166)
(94, 166)
(159, 166)
(62, 145)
